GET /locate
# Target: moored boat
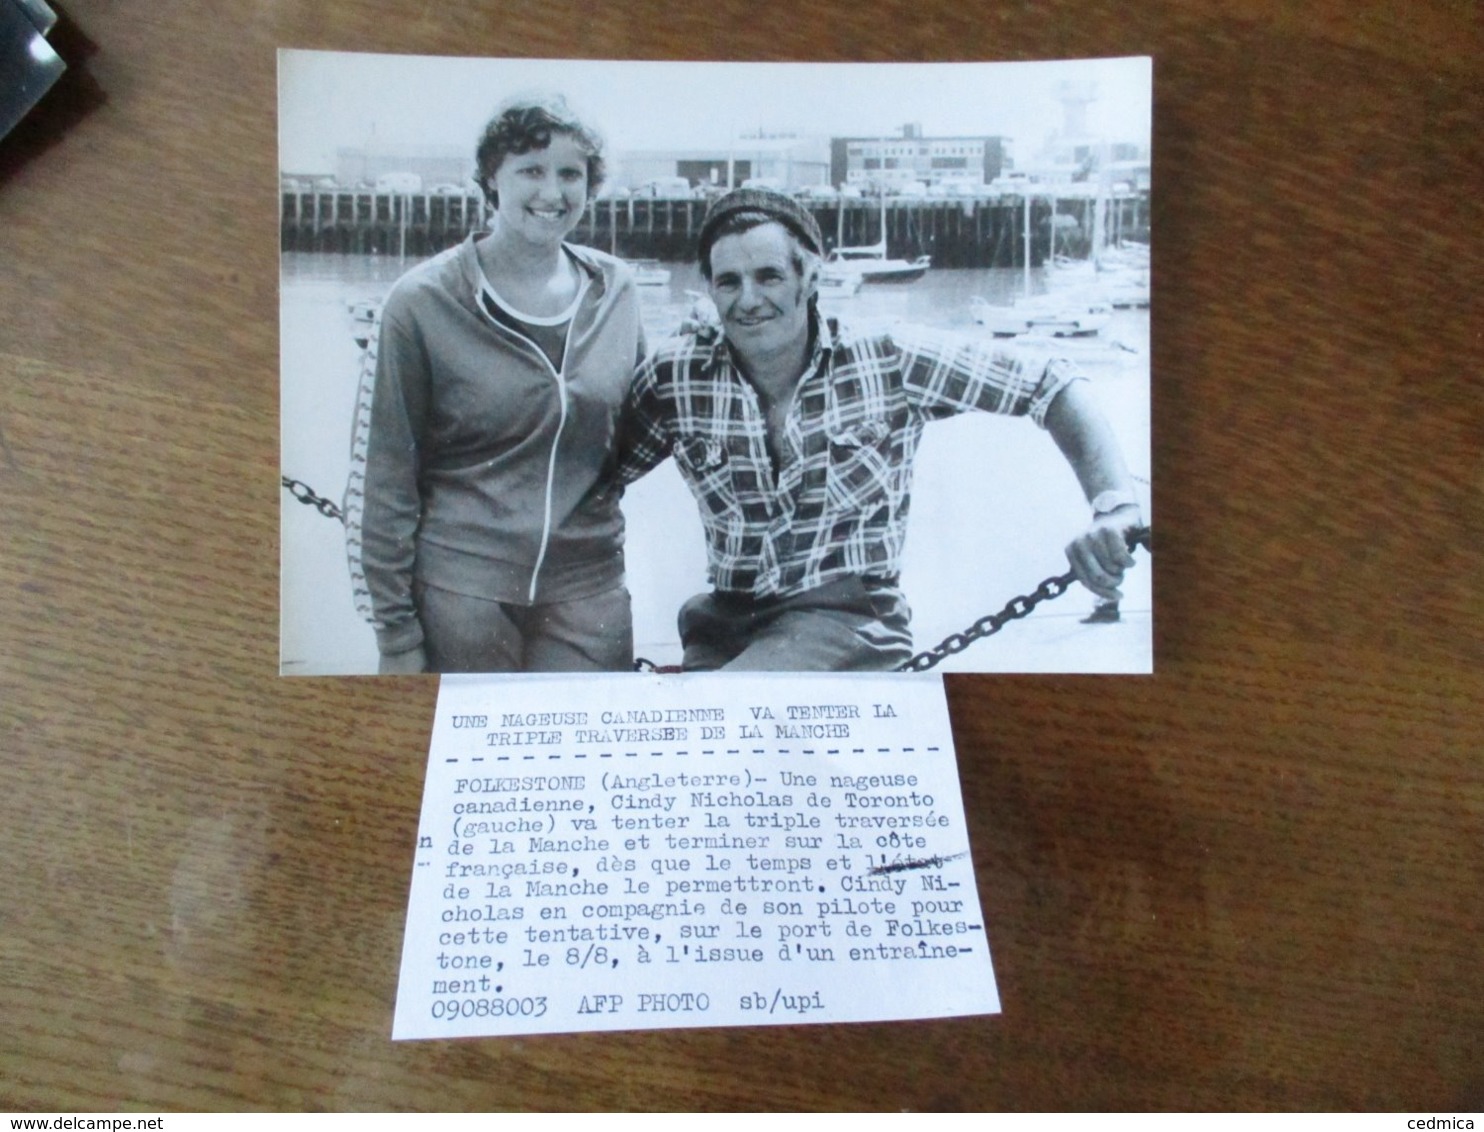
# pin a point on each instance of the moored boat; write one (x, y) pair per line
(873, 265)
(839, 284)
(1057, 315)
(1125, 287)
(649, 273)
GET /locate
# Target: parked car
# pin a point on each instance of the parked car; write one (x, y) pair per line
(1010, 183)
(399, 183)
(818, 192)
(773, 183)
(665, 188)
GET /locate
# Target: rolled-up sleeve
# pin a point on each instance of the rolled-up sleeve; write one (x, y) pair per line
(946, 373)
(1056, 375)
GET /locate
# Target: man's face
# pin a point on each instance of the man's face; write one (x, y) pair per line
(761, 297)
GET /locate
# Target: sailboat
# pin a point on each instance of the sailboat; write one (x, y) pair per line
(839, 284)
(871, 264)
(649, 272)
(1079, 302)
(1057, 315)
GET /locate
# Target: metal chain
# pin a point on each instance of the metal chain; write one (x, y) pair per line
(644, 664)
(1015, 609)
(986, 626)
(307, 495)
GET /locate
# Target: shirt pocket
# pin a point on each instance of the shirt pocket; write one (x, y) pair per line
(860, 468)
(704, 463)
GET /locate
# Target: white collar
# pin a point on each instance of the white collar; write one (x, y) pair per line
(488, 289)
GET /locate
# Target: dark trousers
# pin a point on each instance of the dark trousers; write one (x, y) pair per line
(852, 624)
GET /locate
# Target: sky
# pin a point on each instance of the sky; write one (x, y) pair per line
(333, 99)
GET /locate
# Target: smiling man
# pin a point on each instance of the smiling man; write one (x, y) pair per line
(797, 436)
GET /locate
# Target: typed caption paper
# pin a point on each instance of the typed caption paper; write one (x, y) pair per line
(690, 851)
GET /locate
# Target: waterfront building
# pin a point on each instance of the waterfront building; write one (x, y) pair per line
(432, 165)
(894, 162)
(785, 161)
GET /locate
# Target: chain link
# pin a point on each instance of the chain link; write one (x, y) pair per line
(1016, 608)
(644, 664)
(307, 496)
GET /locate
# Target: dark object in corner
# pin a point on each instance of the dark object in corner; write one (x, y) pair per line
(75, 95)
(28, 62)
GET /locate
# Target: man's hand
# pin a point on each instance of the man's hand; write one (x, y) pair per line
(403, 663)
(1100, 555)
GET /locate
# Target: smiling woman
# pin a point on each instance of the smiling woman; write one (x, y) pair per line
(488, 536)
(541, 194)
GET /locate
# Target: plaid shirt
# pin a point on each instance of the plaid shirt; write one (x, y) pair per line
(838, 501)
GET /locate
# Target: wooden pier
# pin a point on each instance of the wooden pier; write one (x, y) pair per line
(966, 232)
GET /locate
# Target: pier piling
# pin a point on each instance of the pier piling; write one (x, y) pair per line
(956, 232)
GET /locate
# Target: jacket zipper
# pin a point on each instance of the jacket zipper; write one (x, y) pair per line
(561, 380)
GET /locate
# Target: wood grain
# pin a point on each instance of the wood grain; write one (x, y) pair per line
(1255, 880)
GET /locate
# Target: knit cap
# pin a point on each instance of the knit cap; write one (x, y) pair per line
(784, 209)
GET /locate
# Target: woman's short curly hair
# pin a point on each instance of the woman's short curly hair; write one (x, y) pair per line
(526, 122)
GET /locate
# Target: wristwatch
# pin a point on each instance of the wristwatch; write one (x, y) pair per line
(1106, 502)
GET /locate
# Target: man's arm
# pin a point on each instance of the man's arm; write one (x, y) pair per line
(945, 374)
(643, 440)
(1100, 554)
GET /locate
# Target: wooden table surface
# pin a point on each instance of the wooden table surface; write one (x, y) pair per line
(1255, 880)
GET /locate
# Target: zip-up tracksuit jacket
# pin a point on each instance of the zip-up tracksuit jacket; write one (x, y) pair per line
(488, 472)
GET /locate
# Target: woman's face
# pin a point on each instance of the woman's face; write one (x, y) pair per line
(542, 193)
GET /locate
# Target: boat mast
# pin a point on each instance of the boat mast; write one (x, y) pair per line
(1026, 240)
(881, 190)
(1099, 227)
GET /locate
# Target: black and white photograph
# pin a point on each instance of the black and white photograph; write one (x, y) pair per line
(608, 366)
